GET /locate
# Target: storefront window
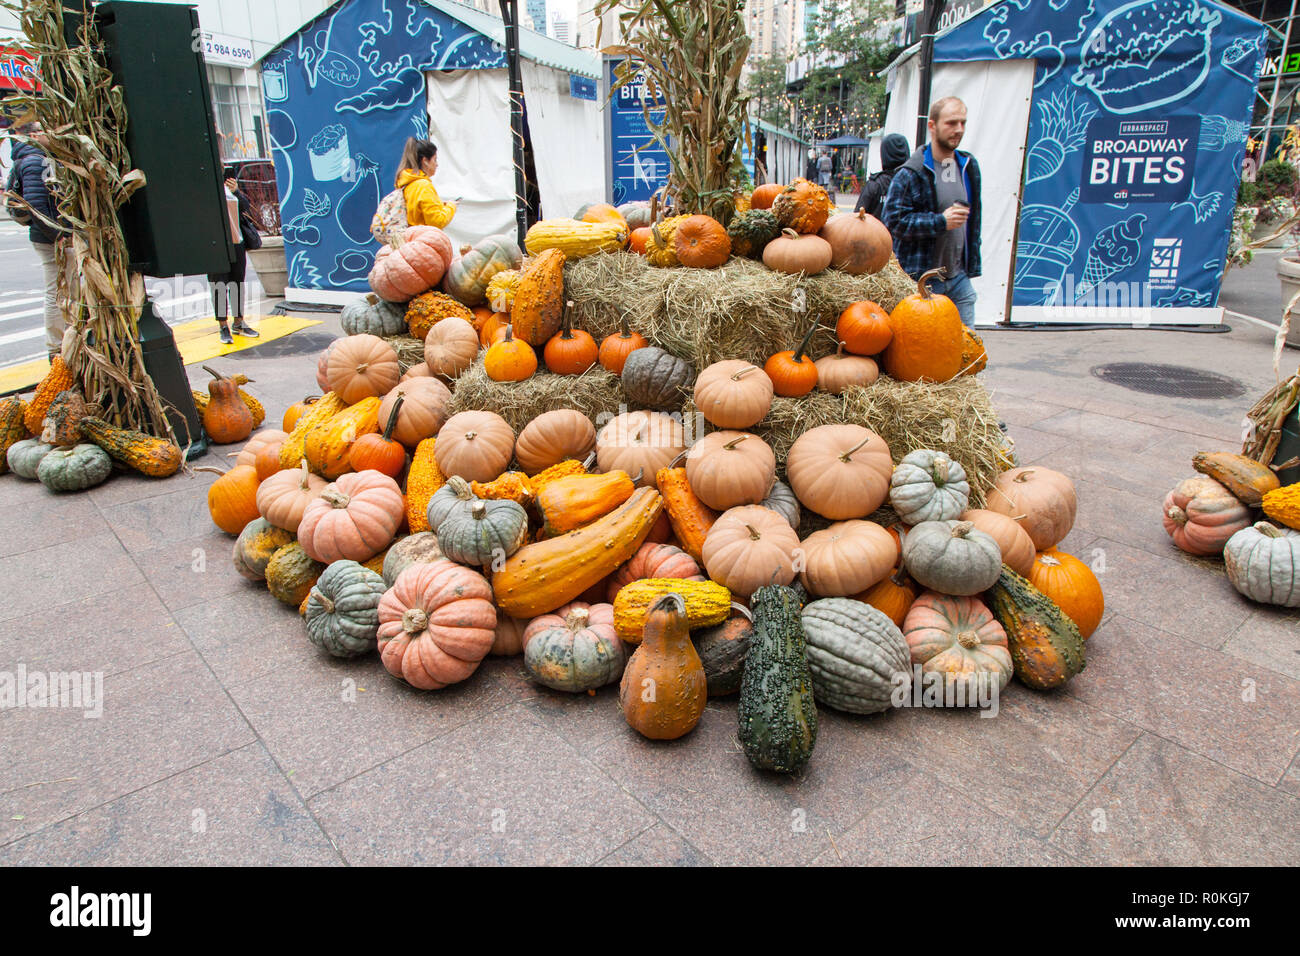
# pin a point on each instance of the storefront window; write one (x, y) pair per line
(237, 107)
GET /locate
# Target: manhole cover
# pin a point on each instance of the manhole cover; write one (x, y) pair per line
(1175, 381)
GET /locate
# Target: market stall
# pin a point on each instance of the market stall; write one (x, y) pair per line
(1110, 137)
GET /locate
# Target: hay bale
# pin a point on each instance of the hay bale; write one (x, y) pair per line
(742, 310)
(956, 417)
(410, 350)
(596, 393)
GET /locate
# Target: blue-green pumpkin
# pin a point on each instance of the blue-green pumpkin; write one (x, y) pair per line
(24, 457)
(74, 469)
(343, 609)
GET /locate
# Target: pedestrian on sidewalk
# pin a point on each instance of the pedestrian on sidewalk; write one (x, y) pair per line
(894, 150)
(414, 178)
(824, 174)
(933, 209)
(228, 287)
(31, 177)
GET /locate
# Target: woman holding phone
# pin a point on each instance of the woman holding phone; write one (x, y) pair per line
(414, 178)
(228, 288)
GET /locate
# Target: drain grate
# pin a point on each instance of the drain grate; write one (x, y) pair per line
(1174, 381)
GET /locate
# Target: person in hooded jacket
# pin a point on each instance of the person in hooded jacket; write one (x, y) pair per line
(414, 178)
(29, 178)
(894, 151)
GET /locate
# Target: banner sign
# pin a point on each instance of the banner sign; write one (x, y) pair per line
(638, 164)
(18, 70)
(582, 87)
(222, 50)
(1140, 160)
(1133, 152)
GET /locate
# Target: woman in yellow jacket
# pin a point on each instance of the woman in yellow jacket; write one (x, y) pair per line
(423, 207)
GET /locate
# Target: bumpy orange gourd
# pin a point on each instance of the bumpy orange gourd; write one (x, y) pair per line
(927, 340)
(1072, 585)
(430, 309)
(664, 690)
(539, 299)
(802, 206)
(690, 517)
(422, 479)
(548, 574)
(57, 379)
(329, 445)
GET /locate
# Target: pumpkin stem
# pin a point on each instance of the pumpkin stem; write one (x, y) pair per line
(1267, 530)
(789, 233)
(213, 372)
(923, 283)
(363, 368)
(673, 463)
(577, 619)
(962, 528)
(839, 350)
(939, 470)
(566, 323)
(478, 510)
(741, 373)
(803, 345)
(392, 416)
(1177, 515)
(336, 498)
(325, 602)
(1052, 562)
(848, 455)
(304, 478)
(460, 487)
(588, 461)
(414, 620)
(625, 329)
(753, 533)
(743, 611)
(510, 333)
(372, 299)
(209, 468)
(1024, 475)
(731, 445)
(968, 639)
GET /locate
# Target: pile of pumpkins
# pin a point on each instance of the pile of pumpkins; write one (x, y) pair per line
(61, 441)
(620, 554)
(1217, 513)
(789, 228)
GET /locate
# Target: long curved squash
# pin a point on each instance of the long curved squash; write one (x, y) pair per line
(541, 577)
(575, 239)
(294, 448)
(1046, 647)
(329, 444)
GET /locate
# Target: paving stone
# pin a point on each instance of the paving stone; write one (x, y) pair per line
(150, 523)
(195, 570)
(62, 573)
(1123, 516)
(1047, 748)
(325, 719)
(1269, 637)
(109, 632)
(1194, 696)
(705, 789)
(1096, 431)
(657, 846)
(1177, 592)
(1161, 805)
(912, 819)
(1022, 410)
(1033, 446)
(501, 790)
(44, 520)
(1290, 782)
(124, 485)
(584, 721)
(247, 633)
(1148, 475)
(235, 810)
(158, 720)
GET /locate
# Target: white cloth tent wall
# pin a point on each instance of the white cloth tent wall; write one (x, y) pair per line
(469, 120)
(997, 94)
(568, 137)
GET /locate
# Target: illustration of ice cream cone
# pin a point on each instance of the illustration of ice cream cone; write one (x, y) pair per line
(1115, 249)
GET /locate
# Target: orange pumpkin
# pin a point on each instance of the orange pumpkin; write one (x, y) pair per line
(763, 196)
(232, 498)
(602, 212)
(1072, 586)
(864, 328)
(511, 359)
(750, 547)
(226, 418)
(617, 346)
(893, 596)
(639, 240)
(267, 436)
(381, 453)
(860, 243)
(701, 242)
(450, 347)
(296, 411)
(423, 410)
(497, 321)
(475, 445)
(267, 460)
(792, 253)
(354, 518)
(361, 366)
(282, 498)
(793, 373)
(553, 437)
(927, 340)
(570, 351)
(802, 206)
(840, 471)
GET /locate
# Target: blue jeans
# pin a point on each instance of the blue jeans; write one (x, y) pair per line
(962, 293)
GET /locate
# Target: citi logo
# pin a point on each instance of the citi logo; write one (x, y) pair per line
(1122, 194)
(76, 909)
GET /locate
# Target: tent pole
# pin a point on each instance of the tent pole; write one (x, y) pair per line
(1277, 83)
(929, 23)
(510, 16)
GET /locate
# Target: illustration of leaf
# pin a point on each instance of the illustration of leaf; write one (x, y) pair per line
(399, 90)
(316, 205)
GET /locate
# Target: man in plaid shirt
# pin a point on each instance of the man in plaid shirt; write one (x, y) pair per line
(933, 209)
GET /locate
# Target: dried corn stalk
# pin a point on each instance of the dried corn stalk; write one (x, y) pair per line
(1264, 421)
(691, 53)
(84, 121)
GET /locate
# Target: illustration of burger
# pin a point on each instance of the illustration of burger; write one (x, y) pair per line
(1147, 54)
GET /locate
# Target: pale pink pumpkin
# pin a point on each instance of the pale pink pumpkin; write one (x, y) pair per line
(958, 638)
(654, 561)
(1201, 515)
(356, 517)
(416, 266)
(436, 623)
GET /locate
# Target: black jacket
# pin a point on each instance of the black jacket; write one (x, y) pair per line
(27, 179)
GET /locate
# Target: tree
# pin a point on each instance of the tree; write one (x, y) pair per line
(859, 35)
(765, 85)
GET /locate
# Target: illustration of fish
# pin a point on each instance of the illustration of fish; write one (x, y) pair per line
(1203, 207)
(1115, 249)
(1064, 127)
